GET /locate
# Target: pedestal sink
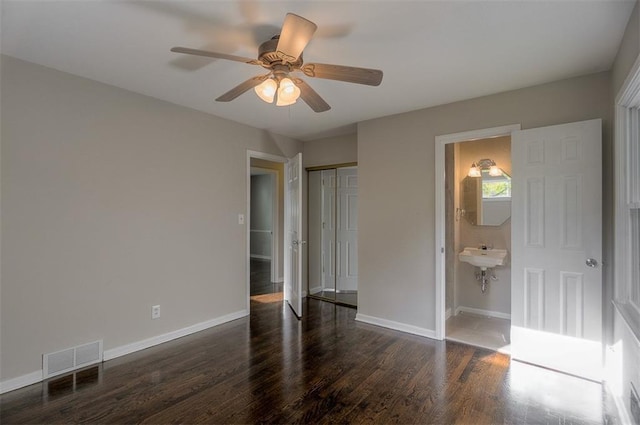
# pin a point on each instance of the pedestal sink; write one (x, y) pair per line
(483, 258)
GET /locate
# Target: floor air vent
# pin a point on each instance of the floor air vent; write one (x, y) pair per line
(73, 358)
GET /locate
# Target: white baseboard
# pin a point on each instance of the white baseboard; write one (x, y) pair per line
(447, 314)
(402, 327)
(21, 381)
(481, 312)
(315, 289)
(279, 280)
(36, 376)
(260, 257)
(150, 342)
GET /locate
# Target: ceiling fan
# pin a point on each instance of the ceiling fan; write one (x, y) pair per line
(282, 55)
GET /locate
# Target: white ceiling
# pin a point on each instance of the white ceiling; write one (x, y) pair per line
(431, 52)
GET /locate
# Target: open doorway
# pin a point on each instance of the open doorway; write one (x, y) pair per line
(265, 227)
(263, 232)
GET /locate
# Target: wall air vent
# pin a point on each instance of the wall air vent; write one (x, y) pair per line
(69, 359)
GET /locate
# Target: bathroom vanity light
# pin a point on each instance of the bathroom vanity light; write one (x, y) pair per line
(484, 164)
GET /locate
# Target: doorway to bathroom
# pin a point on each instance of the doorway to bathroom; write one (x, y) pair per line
(478, 221)
(473, 205)
(556, 241)
(333, 234)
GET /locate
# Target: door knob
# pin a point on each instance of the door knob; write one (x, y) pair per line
(592, 262)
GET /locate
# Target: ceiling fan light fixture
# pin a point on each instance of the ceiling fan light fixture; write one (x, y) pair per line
(288, 92)
(267, 90)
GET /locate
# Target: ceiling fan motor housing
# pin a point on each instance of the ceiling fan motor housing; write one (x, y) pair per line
(268, 56)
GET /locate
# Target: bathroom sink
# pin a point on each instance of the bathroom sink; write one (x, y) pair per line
(483, 258)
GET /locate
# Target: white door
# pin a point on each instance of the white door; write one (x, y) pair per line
(347, 230)
(556, 294)
(293, 233)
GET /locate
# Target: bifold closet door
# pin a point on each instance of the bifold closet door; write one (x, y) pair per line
(347, 230)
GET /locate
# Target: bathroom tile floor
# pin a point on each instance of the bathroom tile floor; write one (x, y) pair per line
(481, 331)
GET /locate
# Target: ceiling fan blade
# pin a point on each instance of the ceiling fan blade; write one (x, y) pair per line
(294, 37)
(310, 96)
(350, 74)
(215, 55)
(242, 87)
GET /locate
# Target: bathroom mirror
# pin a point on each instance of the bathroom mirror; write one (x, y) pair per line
(486, 200)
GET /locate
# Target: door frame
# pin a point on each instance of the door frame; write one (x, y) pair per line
(275, 253)
(440, 218)
(306, 224)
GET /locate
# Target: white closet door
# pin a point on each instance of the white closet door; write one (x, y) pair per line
(347, 230)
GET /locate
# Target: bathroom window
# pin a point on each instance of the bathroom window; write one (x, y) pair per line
(496, 187)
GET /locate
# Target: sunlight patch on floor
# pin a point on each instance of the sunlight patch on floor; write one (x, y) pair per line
(268, 298)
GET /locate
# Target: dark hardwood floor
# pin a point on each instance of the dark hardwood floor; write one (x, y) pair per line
(260, 277)
(326, 368)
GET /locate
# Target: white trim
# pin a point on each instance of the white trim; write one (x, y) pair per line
(447, 314)
(397, 326)
(266, 156)
(169, 336)
(626, 196)
(21, 381)
(275, 253)
(481, 312)
(37, 376)
(260, 257)
(316, 289)
(628, 97)
(484, 133)
(630, 89)
(440, 246)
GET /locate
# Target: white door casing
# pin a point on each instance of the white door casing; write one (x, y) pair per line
(440, 239)
(347, 230)
(278, 250)
(556, 304)
(293, 233)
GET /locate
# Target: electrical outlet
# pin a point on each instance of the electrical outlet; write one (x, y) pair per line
(155, 312)
(240, 218)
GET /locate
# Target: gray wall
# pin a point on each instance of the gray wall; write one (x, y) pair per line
(397, 194)
(629, 50)
(330, 151)
(113, 202)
